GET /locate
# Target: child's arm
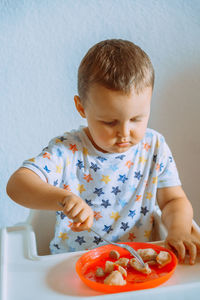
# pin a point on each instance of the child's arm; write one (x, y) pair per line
(177, 215)
(28, 189)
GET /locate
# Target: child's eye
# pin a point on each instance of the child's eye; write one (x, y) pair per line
(110, 123)
(136, 120)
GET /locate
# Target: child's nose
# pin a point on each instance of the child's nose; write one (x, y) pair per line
(124, 130)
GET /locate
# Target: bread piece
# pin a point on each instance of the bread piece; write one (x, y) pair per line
(114, 254)
(109, 266)
(147, 254)
(123, 261)
(115, 278)
(163, 258)
(134, 263)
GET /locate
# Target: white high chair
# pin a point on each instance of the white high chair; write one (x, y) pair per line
(27, 271)
(43, 223)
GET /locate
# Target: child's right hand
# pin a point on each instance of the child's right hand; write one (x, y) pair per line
(77, 209)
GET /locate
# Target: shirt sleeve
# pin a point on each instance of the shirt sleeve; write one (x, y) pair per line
(50, 163)
(167, 170)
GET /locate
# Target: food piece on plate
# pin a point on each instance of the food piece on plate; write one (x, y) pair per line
(123, 261)
(114, 254)
(99, 272)
(134, 263)
(121, 270)
(115, 278)
(147, 254)
(109, 266)
(151, 262)
(163, 258)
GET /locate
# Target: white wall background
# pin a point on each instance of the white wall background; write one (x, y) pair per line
(41, 45)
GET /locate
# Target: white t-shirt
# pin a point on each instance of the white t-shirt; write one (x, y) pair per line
(119, 187)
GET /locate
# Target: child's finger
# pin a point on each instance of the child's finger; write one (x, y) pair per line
(180, 248)
(85, 225)
(81, 217)
(75, 211)
(191, 248)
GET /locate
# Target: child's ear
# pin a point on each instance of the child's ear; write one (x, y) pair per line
(79, 106)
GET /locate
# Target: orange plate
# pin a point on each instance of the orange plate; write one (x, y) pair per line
(88, 263)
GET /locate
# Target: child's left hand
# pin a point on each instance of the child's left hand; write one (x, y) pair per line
(183, 243)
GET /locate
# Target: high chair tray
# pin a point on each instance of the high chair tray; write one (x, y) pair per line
(27, 276)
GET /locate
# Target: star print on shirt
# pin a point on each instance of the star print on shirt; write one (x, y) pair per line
(56, 246)
(144, 210)
(80, 240)
(89, 202)
(55, 182)
(61, 214)
(73, 148)
(99, 191)
(132, 213)
(94, 167)
(122, 178)
(47, 155)
(124, 226)
(170, 159)
(80, 164)
(46, 169)
(59, 152)
(155, 158)
(138, 175)
(123, 203)
(114, 168)
(107, 228)
(115, 190)
(97, 240)
(161, 166)
(102, 159)
(120, 156)
(105, 203)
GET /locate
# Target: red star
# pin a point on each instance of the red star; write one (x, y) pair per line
(73, 148)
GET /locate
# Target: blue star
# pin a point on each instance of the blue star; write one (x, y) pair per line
(56, 246)
(138, 175)
(107, 228)
(59, 152)
(114, 168)
(94, 167)
(80, 164)
(120, 156)
(124, 226)
(46, 169)
(136, 151)
(55, 182)
(144, 210)
(89, 202)
(105, 203)
(80, 240)
(122, 178)
(123, 203)
(170, 159)
(102, 159)
(115, 190)
(161, 166)
(155, 158)
(99, 191)
(132, 213)
(138, 224)
(97, 240)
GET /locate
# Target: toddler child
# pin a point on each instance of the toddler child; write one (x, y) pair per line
(110, 174)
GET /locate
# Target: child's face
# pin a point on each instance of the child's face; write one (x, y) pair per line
(116, 121)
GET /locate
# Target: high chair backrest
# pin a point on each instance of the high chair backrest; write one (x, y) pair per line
(43, 224)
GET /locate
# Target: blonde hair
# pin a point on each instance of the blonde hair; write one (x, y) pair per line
(117, 65)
